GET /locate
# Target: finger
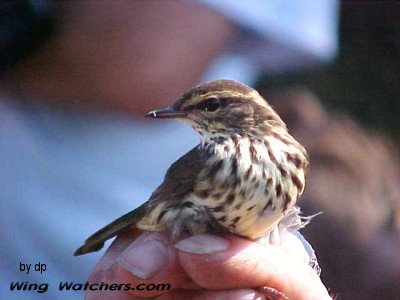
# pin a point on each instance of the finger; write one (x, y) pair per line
(115, 249)
(150, 263)
(152, 260)
(247, 264)
(103, 273)
(293, 246)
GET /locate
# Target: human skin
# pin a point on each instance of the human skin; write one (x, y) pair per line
(125, 56)
(206, 267)
(131, 57)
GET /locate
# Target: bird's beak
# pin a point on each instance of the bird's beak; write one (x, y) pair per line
(167, 112)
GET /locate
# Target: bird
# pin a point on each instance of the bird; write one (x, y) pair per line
(245, 175)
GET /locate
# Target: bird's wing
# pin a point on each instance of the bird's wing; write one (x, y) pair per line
(180, 178)
(96, 241)
(178, 182)
(165, 208)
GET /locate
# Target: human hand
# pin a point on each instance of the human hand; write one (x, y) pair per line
(207, 267)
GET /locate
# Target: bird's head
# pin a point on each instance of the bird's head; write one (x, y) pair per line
(223, 107)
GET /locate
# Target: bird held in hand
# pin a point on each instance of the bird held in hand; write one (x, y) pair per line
(243, 178)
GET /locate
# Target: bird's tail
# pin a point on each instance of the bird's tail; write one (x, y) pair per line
(96, 241)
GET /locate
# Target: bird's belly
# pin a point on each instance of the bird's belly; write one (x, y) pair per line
(249, 194)
(254, 212)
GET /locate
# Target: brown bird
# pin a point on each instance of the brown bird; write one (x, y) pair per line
(243, 178)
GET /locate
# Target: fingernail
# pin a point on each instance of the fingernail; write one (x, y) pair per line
(144, 260)
(203, 244)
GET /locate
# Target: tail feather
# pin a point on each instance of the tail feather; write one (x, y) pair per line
(96, 241)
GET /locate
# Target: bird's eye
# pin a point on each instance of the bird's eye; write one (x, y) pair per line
(211, 104)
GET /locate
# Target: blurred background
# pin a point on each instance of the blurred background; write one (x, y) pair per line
(77, 77)
(346, 115)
